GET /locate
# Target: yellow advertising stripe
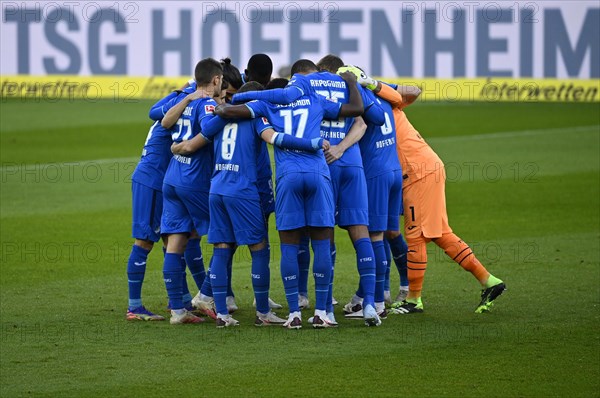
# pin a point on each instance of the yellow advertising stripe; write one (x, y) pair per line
(505, 89)
(124, 88)
(119, 88)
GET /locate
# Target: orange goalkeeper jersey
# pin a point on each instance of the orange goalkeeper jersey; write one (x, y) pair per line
(416, 156)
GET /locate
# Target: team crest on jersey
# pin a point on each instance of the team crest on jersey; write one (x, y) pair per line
(209, 108)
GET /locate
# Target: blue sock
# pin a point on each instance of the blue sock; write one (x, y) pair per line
(388, 258)
(187, 297)
(194, 261)
(289, 274)
(380, 265)
(206, 288)
(321, 272)
(365, 262)
(399, 251)
(136, 269)
(360, 292)
(303, 265)
(333, 251)
(218, 278)
(229, 272)
(172, 270)
(261, 278)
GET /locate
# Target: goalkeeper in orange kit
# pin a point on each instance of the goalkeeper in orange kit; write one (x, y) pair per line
(425, 217)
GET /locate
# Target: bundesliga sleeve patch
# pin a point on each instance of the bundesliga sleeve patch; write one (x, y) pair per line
(265, 121)
(209, 108)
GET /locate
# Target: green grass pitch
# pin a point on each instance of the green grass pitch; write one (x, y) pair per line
(523, 190)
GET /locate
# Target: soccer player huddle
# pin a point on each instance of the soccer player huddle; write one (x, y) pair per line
(345, 154)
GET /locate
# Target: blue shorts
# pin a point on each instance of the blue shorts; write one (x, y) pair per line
(304, 199)
(147, 206)
(184, 210)
(236, 220)
(350, 196)
(385, 201)
(267, 199)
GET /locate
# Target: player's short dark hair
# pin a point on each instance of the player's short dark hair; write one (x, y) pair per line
(251, 86)
(278, 82)
(260, 68)
(330, 63)
(304, 66)
(231, 74)
(207, 69)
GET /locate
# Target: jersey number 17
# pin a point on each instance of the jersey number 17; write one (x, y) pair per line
(288, 125)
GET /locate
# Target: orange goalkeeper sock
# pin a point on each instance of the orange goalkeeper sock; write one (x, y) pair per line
(462, 254)
(416, 266)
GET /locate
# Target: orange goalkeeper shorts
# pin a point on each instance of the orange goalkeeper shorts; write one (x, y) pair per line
(425, 207)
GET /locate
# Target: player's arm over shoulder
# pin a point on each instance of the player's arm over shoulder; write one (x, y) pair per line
(409, 94)
(397, 95)
(157, 112)
(287, 141)
(188, 147)
(389, 94)
(243, 111)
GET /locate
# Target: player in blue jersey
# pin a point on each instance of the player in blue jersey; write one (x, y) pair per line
(204, 299)
(396, 247)
(193, 253)
(348, 179)
(304, 247)
(147, 209)
(187, 180)
(303, 190)
(259, 70)
(384, 185)
(235, 209)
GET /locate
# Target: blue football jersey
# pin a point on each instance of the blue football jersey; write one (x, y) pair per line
(194, 171)
(333, 87)
(236, 150)
(302, 118)
(263, 165)
(378, 145)
(156, 153)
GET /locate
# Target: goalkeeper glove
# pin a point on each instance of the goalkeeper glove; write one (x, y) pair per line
(361, 77)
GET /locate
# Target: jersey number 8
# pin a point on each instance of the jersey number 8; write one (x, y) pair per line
(228, 142)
